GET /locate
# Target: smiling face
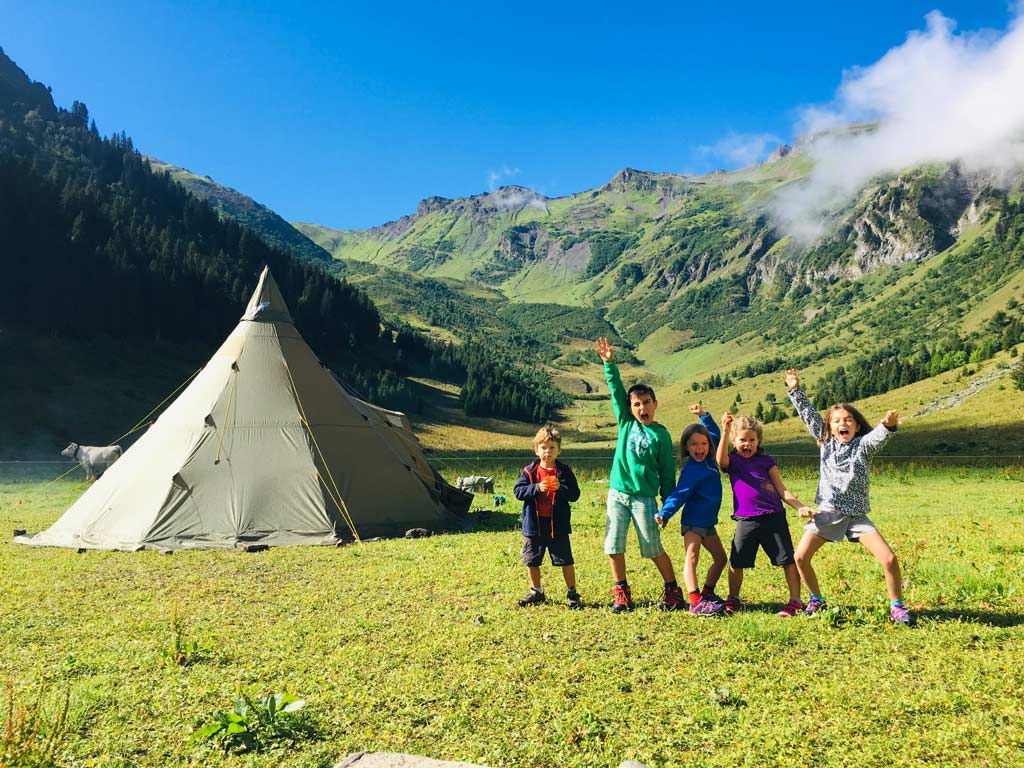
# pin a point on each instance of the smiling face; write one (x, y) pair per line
(643, 407)
(842, 424)
(698, 447)
(745, 441)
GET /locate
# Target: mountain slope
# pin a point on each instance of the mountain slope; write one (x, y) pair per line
(230, 202)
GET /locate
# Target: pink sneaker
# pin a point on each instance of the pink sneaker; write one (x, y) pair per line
(791, 609)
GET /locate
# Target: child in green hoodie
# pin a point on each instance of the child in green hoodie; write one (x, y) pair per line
(643, 468)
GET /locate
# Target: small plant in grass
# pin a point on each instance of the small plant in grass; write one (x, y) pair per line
(182, 651)
(252, 725)
(31, 738)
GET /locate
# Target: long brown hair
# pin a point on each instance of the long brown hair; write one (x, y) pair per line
(690, 431)
(862, 424)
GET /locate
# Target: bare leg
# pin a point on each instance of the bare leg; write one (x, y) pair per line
(618, 563)
(713, 544)
(735, 581)
(692, 542)
(809, 544)
(534, 572)
(877, 546)
(664, 563)
(793, 581)
(569, 574)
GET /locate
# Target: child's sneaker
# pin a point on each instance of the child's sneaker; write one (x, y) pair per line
(814, 605)
(623, 599)
(900, 614)
(791, 609)
(711, 597)
(536, 597)
(731, 605)
(706, 608)
(674, 600)
(574, 600)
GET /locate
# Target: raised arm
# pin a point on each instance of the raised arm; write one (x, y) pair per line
(787, 495)
(708, 423)
(722, 452)
(810, 417)
(620, 402)
(874, 439)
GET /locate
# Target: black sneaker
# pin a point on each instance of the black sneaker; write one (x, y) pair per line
(536, 597)
(574, 599)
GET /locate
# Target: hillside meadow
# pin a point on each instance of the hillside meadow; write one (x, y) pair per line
(418, 646)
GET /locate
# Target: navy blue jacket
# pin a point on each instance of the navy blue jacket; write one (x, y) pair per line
(526, 490)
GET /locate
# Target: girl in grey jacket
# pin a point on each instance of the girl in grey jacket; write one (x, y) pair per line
(846, 442)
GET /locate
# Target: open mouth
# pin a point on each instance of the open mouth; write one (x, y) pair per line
(844, 433)
(746, 452)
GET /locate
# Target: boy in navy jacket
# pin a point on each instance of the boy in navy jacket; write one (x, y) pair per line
(546, 486)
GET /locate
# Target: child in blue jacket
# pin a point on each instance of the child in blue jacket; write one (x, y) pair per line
(699, 495)
(546, 486)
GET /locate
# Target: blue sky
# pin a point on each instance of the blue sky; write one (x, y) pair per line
(347, 114)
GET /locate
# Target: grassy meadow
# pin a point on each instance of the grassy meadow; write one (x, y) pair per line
(418, 646)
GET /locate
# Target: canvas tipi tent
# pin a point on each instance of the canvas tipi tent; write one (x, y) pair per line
(265, 446)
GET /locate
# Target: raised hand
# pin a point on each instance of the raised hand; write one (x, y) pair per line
(697, 410)
(726, 420)
(604, 349)
(892, 418)
(791, 379)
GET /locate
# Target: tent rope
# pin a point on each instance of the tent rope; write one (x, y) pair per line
(143, 422)
(338, 501)
(231, 400)
(134, 429)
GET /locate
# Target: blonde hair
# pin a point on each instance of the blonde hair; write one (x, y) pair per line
(743, 423)
(546, 433)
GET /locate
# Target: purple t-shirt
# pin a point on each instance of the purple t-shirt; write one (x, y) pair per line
(753, 493)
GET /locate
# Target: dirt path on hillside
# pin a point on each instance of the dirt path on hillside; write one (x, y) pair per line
(956, 398)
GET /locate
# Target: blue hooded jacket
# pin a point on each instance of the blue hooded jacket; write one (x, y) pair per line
(699, 490)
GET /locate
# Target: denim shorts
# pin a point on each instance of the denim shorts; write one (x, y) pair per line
(833, 526)
(623, 507)
(704, 533)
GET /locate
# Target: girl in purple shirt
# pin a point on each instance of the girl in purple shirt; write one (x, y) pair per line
(757, 493)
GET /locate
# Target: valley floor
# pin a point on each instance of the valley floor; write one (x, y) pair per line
(418, 646)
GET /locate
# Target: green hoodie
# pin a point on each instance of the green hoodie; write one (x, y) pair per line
(643, 464)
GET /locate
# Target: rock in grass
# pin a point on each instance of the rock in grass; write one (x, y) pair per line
(397, 760)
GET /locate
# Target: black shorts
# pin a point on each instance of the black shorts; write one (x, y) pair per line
(769, 532)
(558, 547)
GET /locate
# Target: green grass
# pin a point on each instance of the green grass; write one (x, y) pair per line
(417, 646)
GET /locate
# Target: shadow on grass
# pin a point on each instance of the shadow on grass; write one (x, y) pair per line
(493, 520)
(972, 616)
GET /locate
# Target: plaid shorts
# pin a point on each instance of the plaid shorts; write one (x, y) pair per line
(622, 507)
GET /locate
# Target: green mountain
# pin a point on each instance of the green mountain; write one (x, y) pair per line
(921, 272)
(229, 202)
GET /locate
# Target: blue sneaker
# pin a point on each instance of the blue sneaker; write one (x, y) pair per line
(900, 614)
(706, 608)
(814, 605)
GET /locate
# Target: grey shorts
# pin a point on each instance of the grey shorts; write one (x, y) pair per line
(704, 533)
(833, 526)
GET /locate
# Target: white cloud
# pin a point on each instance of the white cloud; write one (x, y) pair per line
(938, 97)
(739, 150)
(494, 176)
